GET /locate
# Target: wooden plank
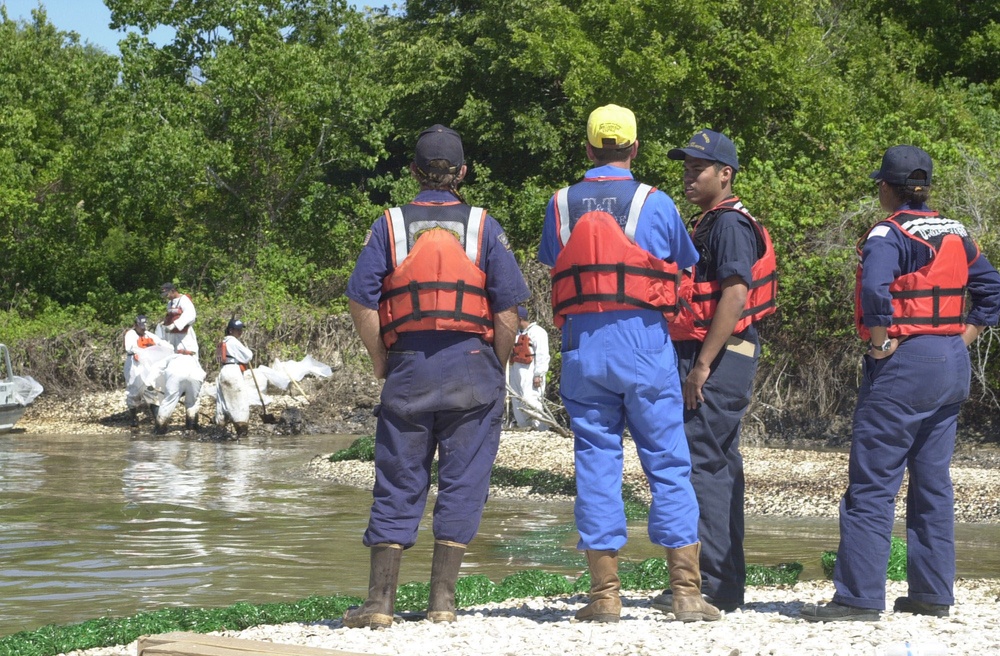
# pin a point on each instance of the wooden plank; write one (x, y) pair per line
(198, 644)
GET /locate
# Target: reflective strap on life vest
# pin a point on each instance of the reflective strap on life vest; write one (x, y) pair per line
(400, 244)
(635, 208)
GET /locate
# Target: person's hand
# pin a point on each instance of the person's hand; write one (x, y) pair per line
(693, 383)
(536, 382)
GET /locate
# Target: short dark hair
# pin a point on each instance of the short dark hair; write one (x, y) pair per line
(718, 166)
(609, 155)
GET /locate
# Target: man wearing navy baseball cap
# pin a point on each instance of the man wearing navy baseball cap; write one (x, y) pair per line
(711, 146)
(434, 297)
(732, 286)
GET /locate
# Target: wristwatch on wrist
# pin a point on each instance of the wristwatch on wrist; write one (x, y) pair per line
(886, 345)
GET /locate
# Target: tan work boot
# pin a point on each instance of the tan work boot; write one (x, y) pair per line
(605, 588)
(685, 582)
(376, 612)
(444, 575)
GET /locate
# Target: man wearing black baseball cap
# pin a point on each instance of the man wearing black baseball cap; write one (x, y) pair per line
(433, 297)
(732, 286)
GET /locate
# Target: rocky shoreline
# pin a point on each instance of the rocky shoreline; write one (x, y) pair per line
(780, 482)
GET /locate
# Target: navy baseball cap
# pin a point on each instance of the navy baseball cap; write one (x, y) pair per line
(711, 145)
(439, 142)
(522, 312)
(900, 162)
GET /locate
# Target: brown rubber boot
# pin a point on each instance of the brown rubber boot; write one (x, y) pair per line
(133, 417)
(605, 588)
(444, 575)
(376, 612)
(241, 429)
(685, 582)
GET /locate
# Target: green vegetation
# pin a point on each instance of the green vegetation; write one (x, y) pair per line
(896, 571)
(473, 590)
(246, 159)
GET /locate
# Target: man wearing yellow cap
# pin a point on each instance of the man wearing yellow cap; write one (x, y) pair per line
(615, 247)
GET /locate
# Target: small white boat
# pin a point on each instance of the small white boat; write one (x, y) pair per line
(11, 405)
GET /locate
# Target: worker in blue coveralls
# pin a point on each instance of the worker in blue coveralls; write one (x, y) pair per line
(733, 285)
(434, 297)
(916, 268)
(615, 246)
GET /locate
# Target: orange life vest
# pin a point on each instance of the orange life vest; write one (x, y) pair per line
(223, 358)
(930, 300)
(601, 270)
(697, 300)
(437, 282)
(173, 313)
(145, 341)
(522, 350)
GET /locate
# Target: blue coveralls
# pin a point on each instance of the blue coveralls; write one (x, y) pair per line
(618, 369)
(906, 418)
(444, 391)
(713, 429)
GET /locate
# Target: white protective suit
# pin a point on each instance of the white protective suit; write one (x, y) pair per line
(141, 365)
(232, 398)
(182, 376)
(521, 376)
(181, 309)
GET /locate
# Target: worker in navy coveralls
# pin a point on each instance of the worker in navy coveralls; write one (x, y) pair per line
(615, 246)
(434, 298)
(916, 268)
(733, 285)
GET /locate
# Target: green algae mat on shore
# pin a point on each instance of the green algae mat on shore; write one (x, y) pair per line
(474, 590)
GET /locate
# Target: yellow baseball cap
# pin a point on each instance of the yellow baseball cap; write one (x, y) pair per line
(611, 126)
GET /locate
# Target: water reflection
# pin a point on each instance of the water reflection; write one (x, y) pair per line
(108, 525)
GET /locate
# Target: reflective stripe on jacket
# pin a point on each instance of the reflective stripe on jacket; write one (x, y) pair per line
(930, 300)
(600, 268)
(697, 300)
(437, 282)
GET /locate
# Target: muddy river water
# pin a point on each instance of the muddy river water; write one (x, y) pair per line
(94, 526)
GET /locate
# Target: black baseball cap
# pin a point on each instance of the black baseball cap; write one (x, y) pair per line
(710, 145)
(439, 142)
(900, 163)
(168, 287)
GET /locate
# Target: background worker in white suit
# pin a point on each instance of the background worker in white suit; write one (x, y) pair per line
(232, 397)
(529, 363)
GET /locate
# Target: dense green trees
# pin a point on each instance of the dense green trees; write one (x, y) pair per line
(247, 157)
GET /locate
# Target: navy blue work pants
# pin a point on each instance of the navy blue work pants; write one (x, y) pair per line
(713, 435)
(444, 392)
(905, 419)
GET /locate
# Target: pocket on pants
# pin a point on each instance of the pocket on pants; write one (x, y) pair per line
(400, 370)
(655, 371)
(485, 377)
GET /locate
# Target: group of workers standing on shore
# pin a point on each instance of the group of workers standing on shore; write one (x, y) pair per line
(658, 334)
(162, 367)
